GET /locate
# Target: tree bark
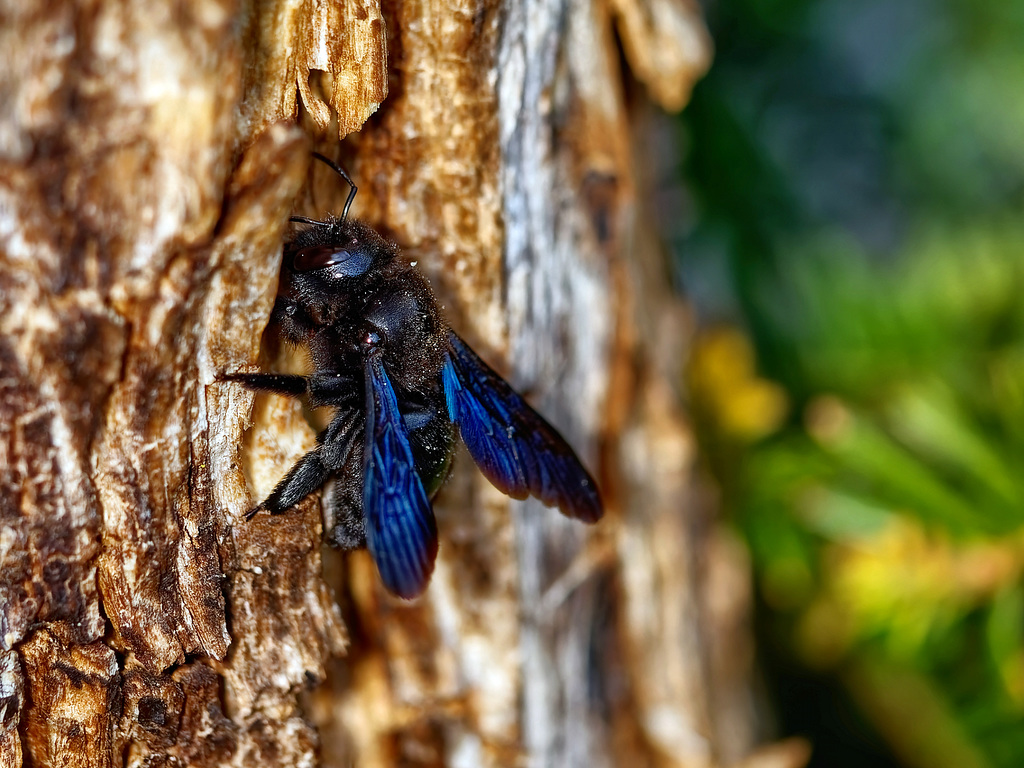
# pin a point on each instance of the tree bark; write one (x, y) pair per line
(150, 155)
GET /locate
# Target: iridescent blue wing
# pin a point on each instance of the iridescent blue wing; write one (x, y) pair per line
(400, 530)
(515, 448)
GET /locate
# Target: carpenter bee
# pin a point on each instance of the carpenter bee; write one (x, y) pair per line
(399, 381)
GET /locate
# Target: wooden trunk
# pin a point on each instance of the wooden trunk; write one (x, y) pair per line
(150, 155)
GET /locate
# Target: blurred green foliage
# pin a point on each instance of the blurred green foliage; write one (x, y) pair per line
(857, 171)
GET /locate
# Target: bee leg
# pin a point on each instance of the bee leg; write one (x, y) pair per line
(344, 440)
(348, 528)
(308, 474)
(335, 446)
(281, 383)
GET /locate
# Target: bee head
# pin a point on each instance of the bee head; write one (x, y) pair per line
(335, 251)
(328, 263)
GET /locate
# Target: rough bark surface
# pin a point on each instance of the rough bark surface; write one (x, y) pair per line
(150, 155)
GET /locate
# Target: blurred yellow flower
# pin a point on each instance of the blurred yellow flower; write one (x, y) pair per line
(899, 585)
(725, 387)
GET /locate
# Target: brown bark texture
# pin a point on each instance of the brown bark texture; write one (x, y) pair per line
(150, 156)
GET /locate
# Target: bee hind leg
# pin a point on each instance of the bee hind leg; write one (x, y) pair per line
(344, 506)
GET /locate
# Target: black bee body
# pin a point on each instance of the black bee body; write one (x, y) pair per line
(389, 307)
(398, 380)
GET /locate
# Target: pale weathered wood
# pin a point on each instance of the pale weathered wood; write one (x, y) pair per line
(146, 178)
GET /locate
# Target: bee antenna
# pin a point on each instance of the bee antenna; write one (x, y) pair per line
(341, 172)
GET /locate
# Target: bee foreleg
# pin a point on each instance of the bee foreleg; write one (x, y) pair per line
(281, 383)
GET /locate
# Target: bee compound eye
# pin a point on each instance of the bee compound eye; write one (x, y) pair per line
(341, 262)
